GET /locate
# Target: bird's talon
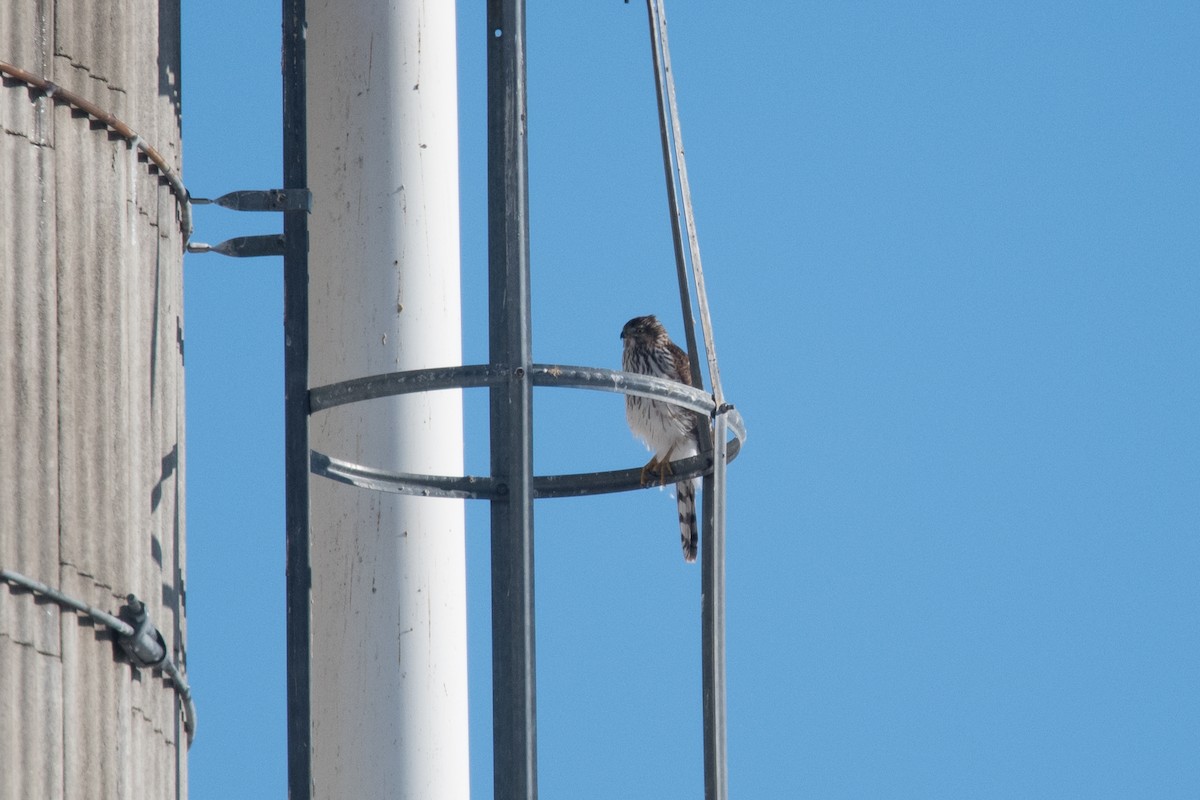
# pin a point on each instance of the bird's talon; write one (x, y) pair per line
(656, 469)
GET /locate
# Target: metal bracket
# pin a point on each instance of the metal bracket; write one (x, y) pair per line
(261, 200)
(253, 200)
(270, 244)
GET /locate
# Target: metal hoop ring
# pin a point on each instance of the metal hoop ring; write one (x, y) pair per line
(356, 390)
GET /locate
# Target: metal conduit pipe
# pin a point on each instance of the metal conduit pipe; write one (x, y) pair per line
(144, 644)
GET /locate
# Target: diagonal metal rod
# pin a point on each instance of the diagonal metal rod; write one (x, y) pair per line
(685, 297)
(712, 577)
(514, 719)
(665, 80)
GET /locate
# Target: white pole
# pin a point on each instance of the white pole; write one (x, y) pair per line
(389, 669)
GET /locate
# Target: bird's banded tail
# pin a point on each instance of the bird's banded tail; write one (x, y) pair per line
(685, 494)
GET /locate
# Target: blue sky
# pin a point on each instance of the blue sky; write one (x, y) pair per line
(953, 255)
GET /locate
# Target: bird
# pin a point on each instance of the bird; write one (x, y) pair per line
(668, 430)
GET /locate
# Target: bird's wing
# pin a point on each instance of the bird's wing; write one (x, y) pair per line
(683, 367)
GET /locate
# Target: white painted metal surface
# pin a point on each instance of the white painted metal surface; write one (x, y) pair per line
(91, 401)
(389, 678)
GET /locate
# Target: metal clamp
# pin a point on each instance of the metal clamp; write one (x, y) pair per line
(145, 646)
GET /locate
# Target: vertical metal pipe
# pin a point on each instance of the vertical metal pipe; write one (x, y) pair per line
(712, 619)
(514, 726)
(295, 379)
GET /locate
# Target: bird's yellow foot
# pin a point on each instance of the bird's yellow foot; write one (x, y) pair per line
(664, 470)
(660, 470)
(651, 466)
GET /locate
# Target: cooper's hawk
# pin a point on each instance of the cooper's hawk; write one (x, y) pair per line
(668, 430)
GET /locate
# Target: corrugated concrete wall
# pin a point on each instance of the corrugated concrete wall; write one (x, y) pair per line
(91, 399)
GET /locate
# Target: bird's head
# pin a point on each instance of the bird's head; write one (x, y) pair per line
(646, 330)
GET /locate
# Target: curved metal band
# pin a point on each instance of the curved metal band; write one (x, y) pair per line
(390, 384)
(61, 95)
(475, 487)
(356, 390)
